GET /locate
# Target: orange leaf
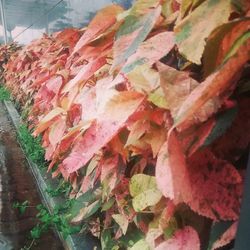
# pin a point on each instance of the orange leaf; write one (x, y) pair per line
(103, 20)
(215, 85)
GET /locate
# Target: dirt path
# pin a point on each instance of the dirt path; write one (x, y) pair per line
(16, 184)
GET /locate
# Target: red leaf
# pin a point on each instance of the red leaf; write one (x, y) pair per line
(216, 186)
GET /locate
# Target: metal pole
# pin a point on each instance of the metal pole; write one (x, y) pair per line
(3, 21)
(46, 17)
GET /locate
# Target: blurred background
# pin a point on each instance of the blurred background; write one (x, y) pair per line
(25, 20)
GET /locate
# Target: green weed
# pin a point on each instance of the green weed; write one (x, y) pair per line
(32, 146)
(4, 94)
(21, 206)
(63, 188)
(47, 221)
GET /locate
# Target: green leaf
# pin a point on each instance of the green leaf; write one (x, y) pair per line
(107, 242)
(242, 39)
(144, 190)
(193, 30)
(140, 183)
(4, 94)
(131, 34)
(139, 245)
(107, 205)
(122, 221)
(158, 98)
(223, 122)
(36, 232)
(147, 198)
(86, 211)
(131, 237)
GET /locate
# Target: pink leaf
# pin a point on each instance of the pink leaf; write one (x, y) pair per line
(226, 237)
(184, 239)
(118, 110)
(171, 171)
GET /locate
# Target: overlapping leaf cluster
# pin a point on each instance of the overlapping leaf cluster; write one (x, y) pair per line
(146, 112)
(6, 51)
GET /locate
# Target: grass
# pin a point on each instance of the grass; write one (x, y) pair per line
(32, 146)
(4, 94)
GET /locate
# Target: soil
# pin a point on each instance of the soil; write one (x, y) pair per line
(17, 185)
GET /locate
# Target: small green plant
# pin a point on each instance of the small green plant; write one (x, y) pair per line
(47, 221)
(56, 219)
(31, 146)
(4, 93)
(21, 206)
(63, 188)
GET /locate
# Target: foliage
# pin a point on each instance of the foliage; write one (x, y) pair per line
(145, 112)
(47, 221)
(6, 51)
(31, 146)
(63, 188)
(4, 94)
(21, 206)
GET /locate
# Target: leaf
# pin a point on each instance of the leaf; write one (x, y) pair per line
(109, 172)
(131, 34)
(224, 43)
(86, 212)
(171, 172)
(152, 235)
(140, 183)
(155, 138)
(107, 205)
(223, 122)
(103, 20)
(137, 130)
(226, 237)
(57, 131)
(117, 111)
(157, 97)
(176, 85)
(235, 141)
(143, 78)
(47, 120)
(198, 25)
(139, 245)
(122, 221)
(84, 74)
(184, 239)
(85, 205)
(144, 191)
(141, 7)
(216, 186)
(145, 199)
(214, 85)
(187, 6)
(150, 51)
